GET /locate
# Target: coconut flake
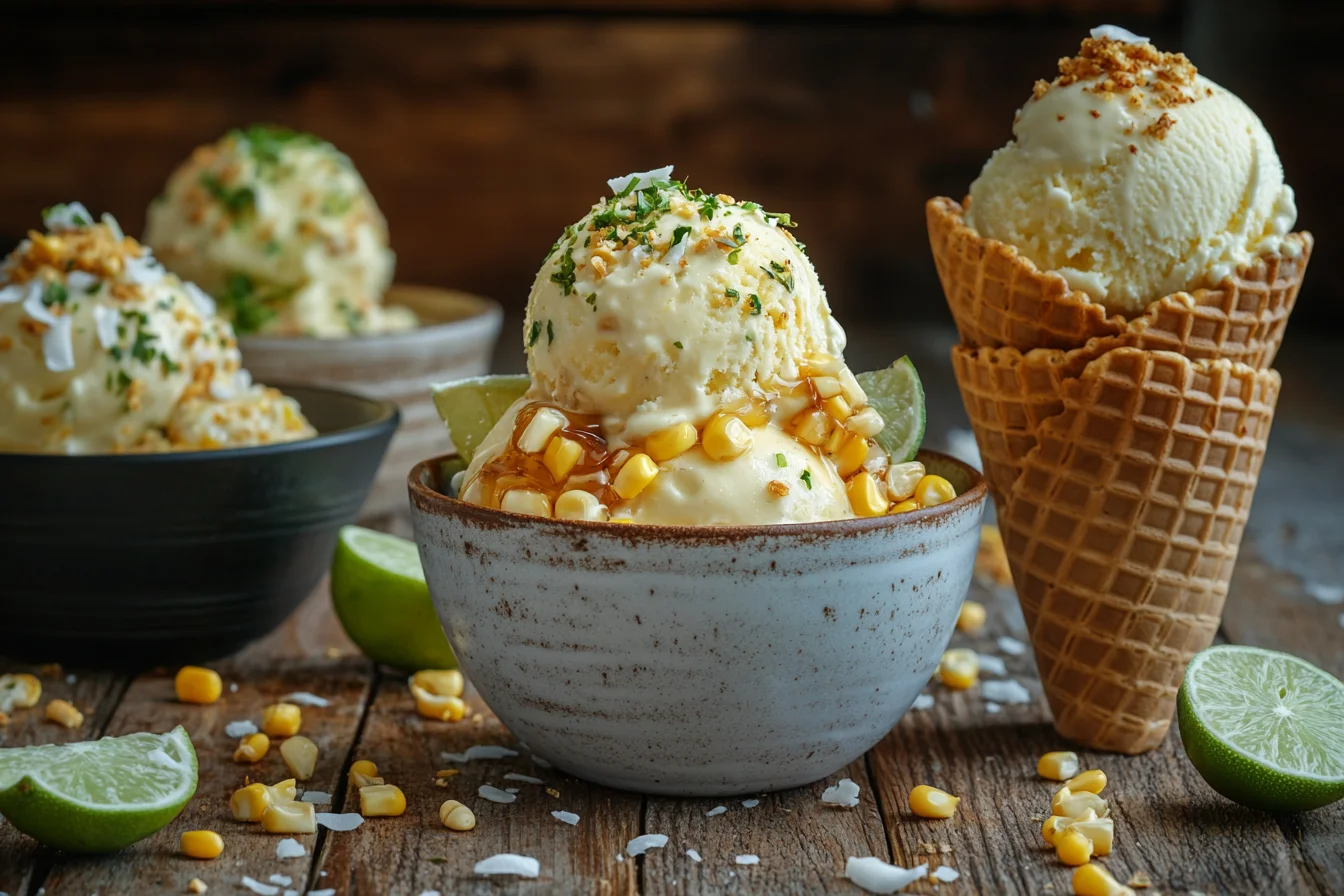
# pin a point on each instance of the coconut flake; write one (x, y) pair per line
(67, 216)
(1115, 32)
(876, 876)
(113, 225)
(922, 702)
(993, 708)
(510, 789)
(640, 253)
(541, 763)
(751, 804)
(495, 795)
(280, 879)
(258, 887)
(288, 848)
(480, 751)
(992, 664)
(642, 180)
(345, 821)
(240, 728)
(105, 322)
(58, 346)
(526, 779)
(945, 874)
(80, 281)
(430, 893)
(717, 810)
(566, 817)
(303, 698)
(1326, 594)
(676, 252)
(233, 687)
(748, 859)
(645, 842)
(33, 305)
(1009, 691)
(844, 793)
(328, 892)
(693, 855)
(145, 270)
(18, 292)
(205, 306)
(320, 797)
(509, 863)
(1011, 646)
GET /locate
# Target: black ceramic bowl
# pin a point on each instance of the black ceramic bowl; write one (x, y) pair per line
(130, 560)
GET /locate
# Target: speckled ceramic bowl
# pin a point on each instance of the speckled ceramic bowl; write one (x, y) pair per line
(457, 340)
(698, 661)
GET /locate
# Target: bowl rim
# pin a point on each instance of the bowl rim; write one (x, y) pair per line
(387, 420)
(485, 314)
(428, 500)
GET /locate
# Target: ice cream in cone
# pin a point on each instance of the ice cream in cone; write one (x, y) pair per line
(1121, 276)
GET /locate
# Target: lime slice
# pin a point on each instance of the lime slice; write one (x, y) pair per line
(472, 407)
(898, 396)
(1264, 728)
(380, 596)
(100, 795)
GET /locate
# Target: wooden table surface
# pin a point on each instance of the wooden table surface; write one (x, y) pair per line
(1169, 824)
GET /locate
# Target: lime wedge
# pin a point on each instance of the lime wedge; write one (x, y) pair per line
(472, 407)
(898, 396)
(1264, 729)
(380, 596)
(100, 795)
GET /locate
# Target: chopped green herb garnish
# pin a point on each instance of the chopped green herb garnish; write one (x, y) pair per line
(732, 294)
(807, 479)
(781, 274)
(535, 334)
(550, 332)
(739, 240)
(751, 338)
(55, 294)
(336, 204)
(755, 303)
(709, 204)
(565, 275)
(680, 234)
(591, 299)
(239, 202)
(248, 305)
(781, 460)
(123, 382)
(266, 142)
(678, 344)
(354, 318)
(93, 288)
(272, 247)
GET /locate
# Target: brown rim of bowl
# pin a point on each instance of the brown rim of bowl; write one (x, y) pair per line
(484, 314)
(432, 501)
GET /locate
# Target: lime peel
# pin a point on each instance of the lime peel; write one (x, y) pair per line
(471, 407)
(898, 395)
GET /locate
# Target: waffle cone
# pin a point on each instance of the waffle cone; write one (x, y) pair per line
(1122, 528)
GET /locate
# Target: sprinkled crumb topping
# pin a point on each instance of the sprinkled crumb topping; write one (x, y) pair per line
(1116, 66)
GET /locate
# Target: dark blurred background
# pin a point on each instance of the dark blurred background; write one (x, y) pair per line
(483, 128)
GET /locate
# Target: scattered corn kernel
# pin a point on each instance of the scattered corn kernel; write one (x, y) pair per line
(934, 490)
(813, 427)
(726, 437)
(63, 713)
(867, 423)
(440, 682)
(537, 434)
(851, 456)
(1058, 766)
(865, 496)
(1101, 831)
(381, 800)
(281, 720)
(930, 802)
(290, 818)
(456, 817)
(905, 507)
(1094, 880)
(672, 442)
(4, 719)
(1072, 805)
(1093, 781)
(850, 388)
(835, 441)
(283, 791)
(1139, 880)
(576, 504)
(561, 456)
(902, 479)
(959, 669)
(250, 803)
(197, 886)
(527, 501)
(300, 755)
(972, 617)
(363, 773)
(639, 471)
(196, 684)
(1053, 825)
(252, 748)
(202, 844)
(1072, 848)
(444, 708)
(19, 691)
(826, 386)
(838, 408)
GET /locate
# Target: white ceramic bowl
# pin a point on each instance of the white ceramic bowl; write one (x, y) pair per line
(698, 661)
(457, 340)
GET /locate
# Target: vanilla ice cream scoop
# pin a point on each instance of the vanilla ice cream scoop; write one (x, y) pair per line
(100, 348)
(280, 228)
(1134, 177)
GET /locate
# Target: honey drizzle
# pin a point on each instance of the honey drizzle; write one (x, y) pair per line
(514, 468)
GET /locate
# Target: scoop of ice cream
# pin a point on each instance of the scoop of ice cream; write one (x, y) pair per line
(281, 229)
(1134, 177)
(664, 304)
(99, 345)
(255, 416)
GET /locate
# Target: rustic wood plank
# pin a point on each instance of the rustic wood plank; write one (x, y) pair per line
(802, 843)
(407, 855)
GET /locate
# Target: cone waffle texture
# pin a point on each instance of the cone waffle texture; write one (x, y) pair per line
(1123, 528)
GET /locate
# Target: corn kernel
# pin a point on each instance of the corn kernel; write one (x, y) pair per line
(290, 818)
(281, 719)
(838, 408)
(851, 456)
(1093, 781)
(537, 434)
(300, 755)
(1094, 880)
(971, 618)
(252, 748)
(1058, 766)
(930, 802)
(527, 501)
(865, 496)
(440, 682)
(638, 472)
(381, 800)
(904, 506)
(4, 718)
(826, 386)
(196, 886)
(202, 844)
(850, 388)
(836, 440)
(283, 791)
(1053, 825)
(576, 504)
(456, 817)
(1101, 831)
(1072, 848)
(250, 802)
(672, 442)
(866, 422)
(195, 684)
(959, 669)
(63, 713)
(441, 708)
(1071, 805)
(561, 456)
(19, 691)
(812, 427)
(363, 773)
(726, 437)
(934, 490)
(903, 478)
